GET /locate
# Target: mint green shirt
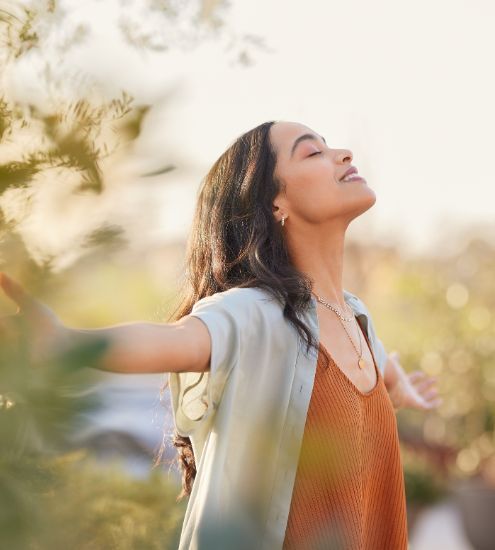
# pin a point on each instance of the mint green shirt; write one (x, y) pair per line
(246, 416)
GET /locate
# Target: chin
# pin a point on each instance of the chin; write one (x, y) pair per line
(363, 204)
(370, 198)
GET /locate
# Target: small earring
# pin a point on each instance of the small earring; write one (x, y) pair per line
(283, 220)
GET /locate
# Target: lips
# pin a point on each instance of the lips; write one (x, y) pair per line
(351, 170)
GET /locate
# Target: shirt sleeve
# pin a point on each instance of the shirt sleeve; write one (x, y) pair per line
(196, 395)
(381, 354)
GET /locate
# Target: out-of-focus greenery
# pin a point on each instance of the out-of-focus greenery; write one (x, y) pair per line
(89, 508)
(423, 483)
(71, 141)
(68, 136)
(52, 497)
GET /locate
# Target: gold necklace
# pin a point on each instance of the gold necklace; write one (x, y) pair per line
(333, 309)
(361, 361)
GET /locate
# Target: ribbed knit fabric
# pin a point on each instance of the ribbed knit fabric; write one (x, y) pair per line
(349, 489)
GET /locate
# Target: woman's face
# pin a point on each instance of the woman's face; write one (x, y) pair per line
(312, 173)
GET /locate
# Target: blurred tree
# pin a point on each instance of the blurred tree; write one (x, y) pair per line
(49, 497)
(68, 140)
(44, 503)
(76, 136)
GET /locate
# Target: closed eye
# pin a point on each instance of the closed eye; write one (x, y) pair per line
(315, 153)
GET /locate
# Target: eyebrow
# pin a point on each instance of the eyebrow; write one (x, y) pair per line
(302, 138)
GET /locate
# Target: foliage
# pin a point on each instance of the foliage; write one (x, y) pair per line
(69, 139)
(52, 497)
(71, 502)
(425, 485)
(75, 135)
(78, 136)
(72, 141)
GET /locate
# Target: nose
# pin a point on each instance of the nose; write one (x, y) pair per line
(344, 155)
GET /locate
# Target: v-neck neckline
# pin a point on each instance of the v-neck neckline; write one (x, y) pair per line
(349, 381)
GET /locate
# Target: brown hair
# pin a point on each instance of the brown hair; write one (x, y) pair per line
(236, 241)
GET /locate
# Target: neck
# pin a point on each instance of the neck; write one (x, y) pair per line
(318, 251)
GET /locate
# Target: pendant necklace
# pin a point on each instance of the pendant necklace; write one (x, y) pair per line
(361, 361)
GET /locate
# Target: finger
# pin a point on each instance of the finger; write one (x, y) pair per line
(423, 385)
(435, 403)
(419, 376)
(430, 395)
(415, 401)
(15, 291)
(416, 376)
(431, 401)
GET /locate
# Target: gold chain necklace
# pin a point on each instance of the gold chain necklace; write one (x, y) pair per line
(333, 309)
(361, 361)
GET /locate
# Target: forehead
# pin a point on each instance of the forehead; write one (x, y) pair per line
(283, 135)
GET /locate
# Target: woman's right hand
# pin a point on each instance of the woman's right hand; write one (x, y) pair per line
(44, 328)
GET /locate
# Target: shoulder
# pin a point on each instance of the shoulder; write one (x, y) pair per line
(243, 302)
(361, 311)
(356, 303)
(236, 296)
(241, 314)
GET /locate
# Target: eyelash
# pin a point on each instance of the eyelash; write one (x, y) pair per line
(315, 153)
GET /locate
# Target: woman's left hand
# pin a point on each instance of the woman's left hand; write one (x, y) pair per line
(415, 390)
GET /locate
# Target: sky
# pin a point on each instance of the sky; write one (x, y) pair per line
(407, 86)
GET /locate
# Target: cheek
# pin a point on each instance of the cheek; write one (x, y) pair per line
(317, 183)
(314, 197)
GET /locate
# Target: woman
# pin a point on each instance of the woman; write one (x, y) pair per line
(283, 396)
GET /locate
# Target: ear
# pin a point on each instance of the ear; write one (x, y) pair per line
(277, 212)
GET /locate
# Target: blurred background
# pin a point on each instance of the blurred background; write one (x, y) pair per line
(112, 111)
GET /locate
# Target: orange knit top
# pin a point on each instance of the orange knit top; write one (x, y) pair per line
(349, 489)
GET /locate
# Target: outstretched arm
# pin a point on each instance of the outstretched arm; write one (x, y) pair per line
(137, 347)
(415, 390)
(143, 347)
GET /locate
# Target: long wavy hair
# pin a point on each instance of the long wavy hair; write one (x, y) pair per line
(236, 241)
